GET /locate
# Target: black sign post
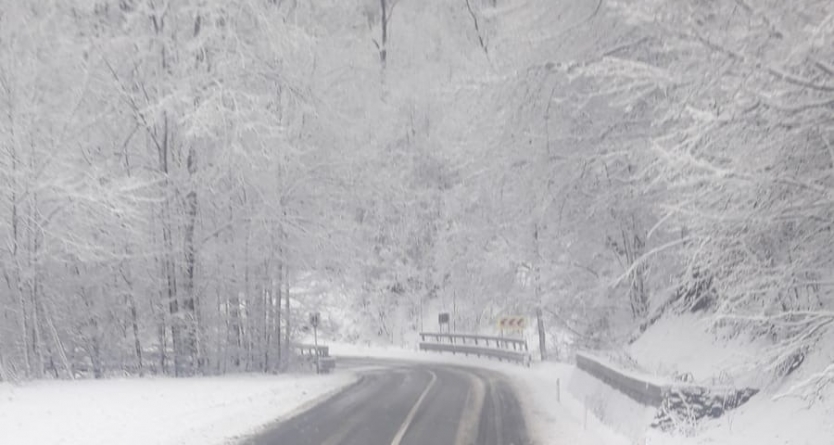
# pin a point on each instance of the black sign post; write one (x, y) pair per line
(315, 318)
(542, 342)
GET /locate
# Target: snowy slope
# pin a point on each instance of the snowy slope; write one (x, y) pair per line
(763, 421)
(685, 344)
(198, 411)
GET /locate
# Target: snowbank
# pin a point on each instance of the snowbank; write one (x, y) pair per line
(610, 406)
(572, 419)
(159, 411)
(763, 421)
(684, 344)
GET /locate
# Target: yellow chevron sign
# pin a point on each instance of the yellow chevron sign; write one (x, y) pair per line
(512, 323)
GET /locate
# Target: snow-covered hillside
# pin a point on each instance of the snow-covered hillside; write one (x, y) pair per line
(787, 410)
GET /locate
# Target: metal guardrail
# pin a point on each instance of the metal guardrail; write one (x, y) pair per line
(317, 356)
(321, 350)
(502, 348)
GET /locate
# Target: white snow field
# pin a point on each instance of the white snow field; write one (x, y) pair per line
(154, 411)
(685, 344)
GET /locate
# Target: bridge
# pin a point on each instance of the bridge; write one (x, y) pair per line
(317, 357)
(501, 348)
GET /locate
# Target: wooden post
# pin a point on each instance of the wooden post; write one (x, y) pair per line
(558, 392)
(542, 343)
(585, 417)
(316, 344)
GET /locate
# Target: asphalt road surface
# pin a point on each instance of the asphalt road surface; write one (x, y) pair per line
(398, 403)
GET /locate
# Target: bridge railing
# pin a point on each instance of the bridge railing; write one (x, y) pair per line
(318, 356)
(320, 350)
(501, 348)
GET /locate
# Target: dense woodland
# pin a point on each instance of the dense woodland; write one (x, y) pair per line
(174, 170)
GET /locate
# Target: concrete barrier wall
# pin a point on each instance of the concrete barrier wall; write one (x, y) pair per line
(675, 401)
(641, 391)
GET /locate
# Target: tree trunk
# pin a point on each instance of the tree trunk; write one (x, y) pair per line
(287, 314)
(190, 316)
(59, 345)
(383, 45)
(247, 298)
(235, 328)
(34, 291)
(163, 338)
(169, 265)
(16, 284)
(134, 321)
(269, 310)
(278, 294)
(4, 376)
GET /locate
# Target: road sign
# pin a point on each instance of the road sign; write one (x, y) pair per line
(512, 322)
(443, 318)
(315, 318)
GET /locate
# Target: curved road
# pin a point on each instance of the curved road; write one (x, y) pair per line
(399, 403)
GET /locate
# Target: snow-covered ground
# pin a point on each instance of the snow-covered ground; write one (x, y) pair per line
(684, 344)
(762, 421)
(562, 403)
(157, 411)
(572, 419)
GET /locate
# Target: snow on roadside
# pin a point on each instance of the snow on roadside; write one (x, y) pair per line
(551, 421)
(154, 411)
(566, 420)
(763, 421)
(685, 344)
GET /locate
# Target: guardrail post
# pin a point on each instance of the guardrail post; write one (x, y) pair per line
(585, 420)
(558, 392)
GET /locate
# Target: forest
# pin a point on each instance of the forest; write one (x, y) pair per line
(178, 174)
